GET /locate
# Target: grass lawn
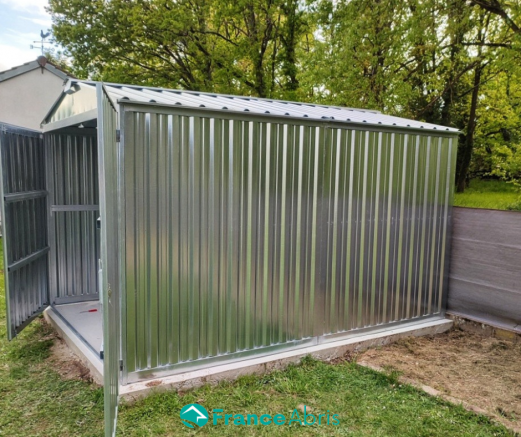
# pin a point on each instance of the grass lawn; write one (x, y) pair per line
(490, 194)
(36, 401)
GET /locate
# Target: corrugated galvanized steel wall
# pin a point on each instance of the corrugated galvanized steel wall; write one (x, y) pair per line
(72, 182)
(243, 236)
(384, 209)
(25, 221)
(485, 273)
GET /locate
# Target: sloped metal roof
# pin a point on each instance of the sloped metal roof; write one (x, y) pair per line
(120, 93)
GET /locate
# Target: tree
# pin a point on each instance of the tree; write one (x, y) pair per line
(433, 60)
(425, 59)
(509, 12)
(358, 48)
(498, 132)
(208, 45)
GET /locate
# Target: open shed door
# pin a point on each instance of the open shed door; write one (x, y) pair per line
(24, 225)
(109, 272)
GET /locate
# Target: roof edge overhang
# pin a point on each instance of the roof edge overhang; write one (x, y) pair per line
(66, 87)
(71, 86)
(134, 105)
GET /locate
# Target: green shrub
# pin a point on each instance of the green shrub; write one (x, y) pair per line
(516, 206)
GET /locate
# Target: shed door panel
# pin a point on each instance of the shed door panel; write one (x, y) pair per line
(109, 276)
(24, 213)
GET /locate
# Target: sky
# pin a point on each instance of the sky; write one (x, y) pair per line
(20, 24)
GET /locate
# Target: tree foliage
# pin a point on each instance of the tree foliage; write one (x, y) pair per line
(452, 62)
(240, 46)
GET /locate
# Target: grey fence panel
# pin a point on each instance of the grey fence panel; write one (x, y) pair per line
(485, 273)
(72, 182)
(242, 236)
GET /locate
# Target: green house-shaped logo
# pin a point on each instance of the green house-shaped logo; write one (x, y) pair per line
(194, 413)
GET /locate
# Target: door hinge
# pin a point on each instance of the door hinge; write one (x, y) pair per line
(121, 365)
(118, 135)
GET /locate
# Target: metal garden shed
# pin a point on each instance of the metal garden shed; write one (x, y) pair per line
(230, 227)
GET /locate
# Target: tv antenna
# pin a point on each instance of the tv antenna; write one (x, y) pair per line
(42, 42)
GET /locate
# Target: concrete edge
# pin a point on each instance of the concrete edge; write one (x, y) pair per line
(258, 366)
(82, 351)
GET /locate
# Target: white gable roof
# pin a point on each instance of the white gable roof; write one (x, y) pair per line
(33, 65)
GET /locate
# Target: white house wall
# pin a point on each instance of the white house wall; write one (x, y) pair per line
(26, 99)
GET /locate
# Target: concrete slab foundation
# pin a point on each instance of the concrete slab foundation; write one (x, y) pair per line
(325, 351)
(86, 318)
(79, 346)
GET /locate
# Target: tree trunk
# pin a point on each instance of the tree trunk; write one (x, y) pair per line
(289, 39)
(468, 144)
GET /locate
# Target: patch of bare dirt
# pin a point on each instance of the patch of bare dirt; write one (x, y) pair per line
(66, 363)
(478, 370)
